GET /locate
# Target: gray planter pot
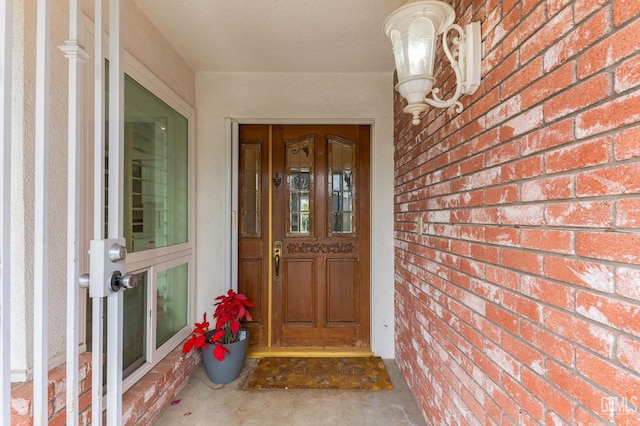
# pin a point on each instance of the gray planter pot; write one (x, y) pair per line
(227, 370)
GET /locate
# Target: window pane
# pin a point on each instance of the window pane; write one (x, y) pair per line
(172, 302)
(299, 185)
(156, 171)
(250, 164)
(134, 336)
(134, 328)
(341, 161)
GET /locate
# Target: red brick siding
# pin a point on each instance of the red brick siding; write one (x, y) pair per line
(520, 304)
(141, 405)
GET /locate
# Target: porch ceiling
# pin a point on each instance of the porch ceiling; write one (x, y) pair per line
(330, 36)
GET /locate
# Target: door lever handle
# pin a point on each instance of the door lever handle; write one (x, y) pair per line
(277, 253)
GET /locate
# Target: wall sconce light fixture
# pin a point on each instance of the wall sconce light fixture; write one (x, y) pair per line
(413, 29)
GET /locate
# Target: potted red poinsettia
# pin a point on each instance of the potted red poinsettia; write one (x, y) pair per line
(224, 363)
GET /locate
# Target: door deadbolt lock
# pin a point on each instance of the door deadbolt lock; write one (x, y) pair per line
(84, 280)
(117, 253)
(107, 257)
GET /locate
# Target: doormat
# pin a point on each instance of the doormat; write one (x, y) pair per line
(366, 373)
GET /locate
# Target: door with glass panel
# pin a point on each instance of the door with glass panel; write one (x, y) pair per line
(304, 234)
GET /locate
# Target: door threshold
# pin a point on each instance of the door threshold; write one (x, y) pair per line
(334, 352)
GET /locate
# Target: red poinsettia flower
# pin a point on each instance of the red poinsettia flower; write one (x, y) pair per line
(219, 351)
(198, 337)
(231, 308)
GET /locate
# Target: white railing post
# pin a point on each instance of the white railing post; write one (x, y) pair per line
(76, 55)
(41, 227)
(6, 23)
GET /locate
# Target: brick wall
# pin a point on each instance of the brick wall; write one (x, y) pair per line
(141, 405)
(520, 303)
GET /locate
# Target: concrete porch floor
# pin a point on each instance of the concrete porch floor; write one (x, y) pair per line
(204, 403)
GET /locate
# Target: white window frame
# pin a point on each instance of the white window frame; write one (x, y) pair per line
(152, 260)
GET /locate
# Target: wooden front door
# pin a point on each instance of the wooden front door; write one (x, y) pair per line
(304, 234)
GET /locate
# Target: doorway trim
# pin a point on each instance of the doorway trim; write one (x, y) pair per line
(231, 153)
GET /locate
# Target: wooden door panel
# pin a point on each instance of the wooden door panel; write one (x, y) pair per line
(342, 287)
(299, 292)
(250, 274)
(328, 336)
(253, 228)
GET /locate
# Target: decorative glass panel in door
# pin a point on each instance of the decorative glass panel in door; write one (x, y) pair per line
(299, 163)
(250, 189)
(341, 163)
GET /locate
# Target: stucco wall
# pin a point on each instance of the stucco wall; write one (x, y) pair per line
(298, 97)
(520, 304)
(23, 186)
(145, 43)
(21, 240)
(148, 46)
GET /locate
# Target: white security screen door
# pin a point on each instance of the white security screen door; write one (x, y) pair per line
(158, 233)
(107, 265)
(147, 193)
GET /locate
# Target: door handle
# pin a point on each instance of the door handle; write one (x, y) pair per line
(119, 281)
(277, 253)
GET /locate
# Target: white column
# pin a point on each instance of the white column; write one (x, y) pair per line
(76, 55)
(41, 228)
(6, 22)
(116, 198)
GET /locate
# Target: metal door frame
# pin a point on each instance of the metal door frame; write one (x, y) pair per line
(106, 254)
